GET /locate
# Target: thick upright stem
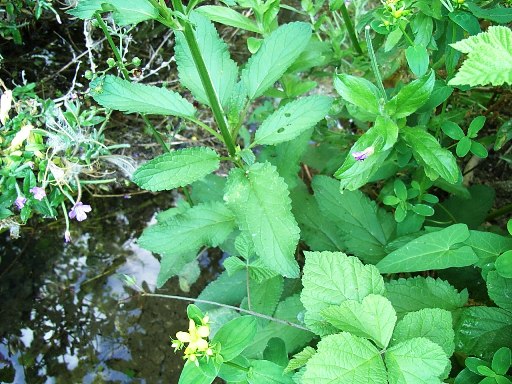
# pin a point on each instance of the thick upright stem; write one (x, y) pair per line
(350, 28)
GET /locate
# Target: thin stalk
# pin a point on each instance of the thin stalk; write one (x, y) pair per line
(373, 61)
(113, 46)
(252, 313)
(156, 134)
(187, 196)
(409, 40)
(499, 212)
(350, 28)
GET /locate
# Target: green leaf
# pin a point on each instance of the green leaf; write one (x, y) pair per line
(300, 359)
(415, 361)
(413, 294)
(479, 150)
(488, 246)
(367, 227)
(475, 126)
(262, 371)
(278, 51)
(126, 12)
(192, 374)
(222, 70)
(234, 336)
(374, 318)
(411, 97)
(344, 358)
(504, 264)
(480, 331)
(418, 59)
(436, 160)
(262, 206)
(501, 361)
(179, 238)
(265, 295)
(353, 174)
(234, 374)
(452, 130)
(275, 351)
(466, 20)
(489, 58)
(176, 169)
(436, 250)
(358, 91)
(225, 289)
(440, 93)
(209, 188)
(463, 146)
(431, 323)
(123, 95)
(330, 278)
(499, 289)
(498, 14)
(423, 209)
(294, 118)
(228, 16)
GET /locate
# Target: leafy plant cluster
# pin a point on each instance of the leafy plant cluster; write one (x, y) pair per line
(285, 200)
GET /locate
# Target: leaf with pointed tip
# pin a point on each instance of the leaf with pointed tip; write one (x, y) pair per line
(125, 12)
(300, 359)
(500, 290)
(228, 16)
(411, 97)
(358, 91)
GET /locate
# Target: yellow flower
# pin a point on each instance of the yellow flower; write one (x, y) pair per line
(196, 340)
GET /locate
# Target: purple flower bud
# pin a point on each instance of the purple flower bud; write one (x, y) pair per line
(67, 236)
(79, 211)
(360, 156)
(38, 193)
(20, 202)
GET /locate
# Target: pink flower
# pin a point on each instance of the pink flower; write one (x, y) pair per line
(67, 236)
(360, 156)
(79, 211)
(38, 193)
(20, 202)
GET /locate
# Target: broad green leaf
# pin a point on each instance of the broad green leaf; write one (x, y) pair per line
(501, 361)
(489, 58)
(222, 70)
(263, 371)
(225, 289)
(176, 169)
(488, 246)
(392, 39)
(294, 118)
(122, 95)
(374, 318)
(330, 278)
(265, 295)
(233, 374)
(262, 206)
(452, 130)
(466, 20)
(498, 14)
(436, 160)
(181, 236)
(228, 16)
(205, 374)
(467, 377)
(415, 361)
(503, 264)
(463, 146)
(440, 93)
(126, 12)
(480, 331)
(235, 335)
(278, 51)
(344, 358)
(413, 294)
(418, 59)
(275, 351)
(358, 91)
(434, 324)
(300, 359)
(353, 174)
(437, 250)
(367, 228)
(411, 97)
(500, 290)
(209, 188)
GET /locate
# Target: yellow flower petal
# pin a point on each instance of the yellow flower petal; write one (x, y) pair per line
(184, 337)
(203, 331)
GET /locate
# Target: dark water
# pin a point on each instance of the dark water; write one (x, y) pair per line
(65, 315)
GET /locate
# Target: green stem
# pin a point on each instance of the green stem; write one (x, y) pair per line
(236, 366)
(187, 196)
(113, 46)
(206, 128)
(102, 181)
(373, 61)
(350, 28)
(409, 40)
(156, 134)
(499, 212)
(252, 313)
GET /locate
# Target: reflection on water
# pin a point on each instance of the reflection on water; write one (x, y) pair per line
(65, 316)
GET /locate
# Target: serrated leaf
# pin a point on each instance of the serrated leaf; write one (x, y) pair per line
(374, 318)
(235, 335)
(353, 173)
(122, 95)
(436, 250)
(344, 358)
(436, 160)
(358, 91)
(434, 324)
(300, 359)
(126, 12)
(500, 290)
(222, 70)
(415, 361)
(294, 118)
(176, 169)
(330, 278)
(179, 238)
(262, 371)
(265, 295)
(480, 331)
(262, 206)
(228, 16)
(413, 294)
(278, 51)
(411, 97)
(489, 58)
(367, 228)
